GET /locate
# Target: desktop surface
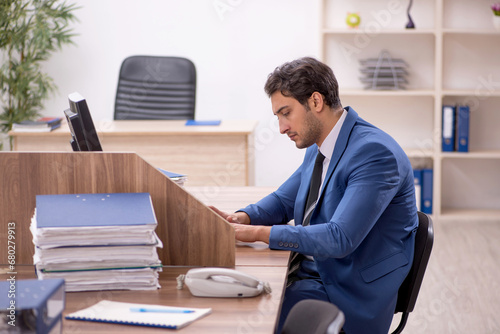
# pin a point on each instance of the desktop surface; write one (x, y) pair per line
(229, 315)
(148, 127)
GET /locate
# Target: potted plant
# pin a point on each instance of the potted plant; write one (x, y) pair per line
(496, 17)
(30, 31)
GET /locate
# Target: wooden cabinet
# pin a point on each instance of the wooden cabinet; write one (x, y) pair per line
(454, 58)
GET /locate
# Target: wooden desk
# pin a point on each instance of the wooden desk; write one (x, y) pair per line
(210, 155)
(229, 315)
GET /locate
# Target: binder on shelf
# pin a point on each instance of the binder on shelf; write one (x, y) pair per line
(448, 129)
(417, 176)
(462, 129)
(426, 202)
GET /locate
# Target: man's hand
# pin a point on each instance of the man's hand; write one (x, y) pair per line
(252, 233)
(243, 231)
(237, 217)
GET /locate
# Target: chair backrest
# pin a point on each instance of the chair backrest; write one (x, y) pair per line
(408, 291)
(152, 87)
(313, 316)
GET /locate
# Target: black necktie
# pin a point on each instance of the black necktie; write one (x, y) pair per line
(312, 197)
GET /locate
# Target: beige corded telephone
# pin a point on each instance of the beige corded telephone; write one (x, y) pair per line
(221, 282)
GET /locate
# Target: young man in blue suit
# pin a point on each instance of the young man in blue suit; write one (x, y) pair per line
(355, 242)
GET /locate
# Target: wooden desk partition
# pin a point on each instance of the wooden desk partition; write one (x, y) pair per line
(192, 234)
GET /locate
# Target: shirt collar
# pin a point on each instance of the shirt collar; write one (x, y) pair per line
(328, 144)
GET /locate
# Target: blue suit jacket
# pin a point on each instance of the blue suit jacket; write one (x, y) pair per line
(361, 232)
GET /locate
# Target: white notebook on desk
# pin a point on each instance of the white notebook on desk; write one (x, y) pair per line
(140, 314)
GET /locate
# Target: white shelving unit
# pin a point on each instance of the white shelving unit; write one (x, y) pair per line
(454, 57)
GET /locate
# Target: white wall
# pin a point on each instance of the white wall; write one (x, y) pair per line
(234, 44)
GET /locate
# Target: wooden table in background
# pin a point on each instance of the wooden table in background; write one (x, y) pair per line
(228, 199)
(210, 155)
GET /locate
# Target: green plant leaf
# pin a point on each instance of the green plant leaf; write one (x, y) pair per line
(30, 32)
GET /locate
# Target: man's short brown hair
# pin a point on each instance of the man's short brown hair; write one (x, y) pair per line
(302, 77)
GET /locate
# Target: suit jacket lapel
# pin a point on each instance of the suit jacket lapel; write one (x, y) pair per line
(340, 145)
(338, 151)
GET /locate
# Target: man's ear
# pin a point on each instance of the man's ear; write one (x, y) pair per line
(317, 101)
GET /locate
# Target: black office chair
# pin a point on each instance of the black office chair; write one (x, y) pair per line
(313, 316)
(408, 291)
(156, 88)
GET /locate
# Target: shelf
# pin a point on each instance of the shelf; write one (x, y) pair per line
(453, 59)
(470, 62)
(482, 154)
(340, 31)
(403, 93)
(472, 215)
(456, 31)
(470, 92)
(346, 50)
(467, 15)
(413, 153)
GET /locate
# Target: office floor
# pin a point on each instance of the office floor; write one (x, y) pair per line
(461, 288)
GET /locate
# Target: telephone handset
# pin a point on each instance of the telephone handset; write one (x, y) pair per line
(221, 282)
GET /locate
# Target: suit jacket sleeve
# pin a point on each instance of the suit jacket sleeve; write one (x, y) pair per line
(277, 207)
(358, 194)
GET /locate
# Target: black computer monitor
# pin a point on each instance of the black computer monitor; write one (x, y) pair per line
(83, 132)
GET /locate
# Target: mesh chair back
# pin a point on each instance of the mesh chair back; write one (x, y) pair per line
(156, 88)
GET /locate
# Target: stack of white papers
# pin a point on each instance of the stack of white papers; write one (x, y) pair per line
(106, 279)
(96, 257)
(97, 241)
(49, 237)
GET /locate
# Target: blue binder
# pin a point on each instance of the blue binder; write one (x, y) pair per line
(427, 175)
(73, 210)
(33, 306)
(171, 175)
(448, 129)
(192, 122)
(462, 129)
(417, 176)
